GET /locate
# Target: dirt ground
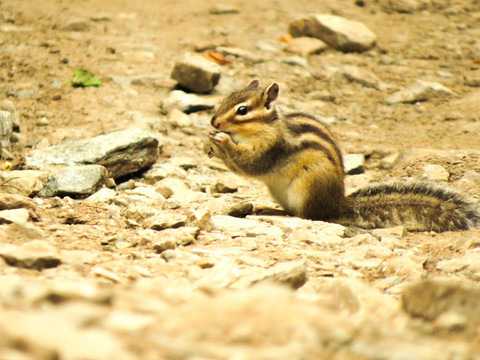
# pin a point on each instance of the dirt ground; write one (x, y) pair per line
(132, 45)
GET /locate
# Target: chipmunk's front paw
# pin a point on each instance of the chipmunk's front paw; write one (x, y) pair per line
(218, 137)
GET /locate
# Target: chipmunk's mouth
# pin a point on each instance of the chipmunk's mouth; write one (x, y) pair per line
(234, 137)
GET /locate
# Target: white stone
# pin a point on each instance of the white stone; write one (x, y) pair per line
(419, 91)
(354, 163)
(14, 216)
(245, 227)
(188, 103)
(337, 32)
(104, 195)
(361, 76)
(434, 172)
(178, 118)
(305, 46)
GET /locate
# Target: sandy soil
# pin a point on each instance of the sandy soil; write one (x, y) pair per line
(42, 43)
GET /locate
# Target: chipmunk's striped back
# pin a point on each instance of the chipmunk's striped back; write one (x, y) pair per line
(315, 135)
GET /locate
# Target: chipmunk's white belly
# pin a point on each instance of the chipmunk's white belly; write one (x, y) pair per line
(281, 189)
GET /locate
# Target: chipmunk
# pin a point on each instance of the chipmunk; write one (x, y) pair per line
(296, 156)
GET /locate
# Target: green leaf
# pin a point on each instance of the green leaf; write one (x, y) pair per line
(84, 78)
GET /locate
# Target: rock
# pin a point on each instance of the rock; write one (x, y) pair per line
(184, 162)
(214, 276)
(180, 192)
(68, 290)
(63, 332)
(79, 25)
(179, 119)
(164, 244)
(428, 299)
(8, 106)
(188, 103)
(43, 122)
(295, 61)
(165, 221)
(106, 274)
(77, 180)
(292, 274)
(196, 73)
(305, 46)
(14, 216)
(241, 210)
(472, 79)
(434, 172)
(36, 255)
(388, 161)
(268, 46)
(287, 224)
(472, 177)
(23, 231)
(403, 6)
(397, 232)
(141, 195)
(161, 171)
(361, 76)
(25, 94)
(319, 239)
(240, 53)
(6, 129)
(467, 265)
(419, 91)
(103, 195)
(170, 238)
(179, 256)
(261, 310)
(245, 227)
(221, 9)
(139, 212)
(403, 266)
(121, 152)
(203, 220)
(23, 182)
(339, 33)
(125, 322)
(354, 164)
(225, 186)
(451, 321)
(14, 201)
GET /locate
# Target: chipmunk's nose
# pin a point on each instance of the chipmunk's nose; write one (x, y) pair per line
(214, 123)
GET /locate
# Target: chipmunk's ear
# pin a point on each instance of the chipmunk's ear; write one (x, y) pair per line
(253, 84)
(270, 94)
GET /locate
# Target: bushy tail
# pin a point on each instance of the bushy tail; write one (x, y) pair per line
(418, 205)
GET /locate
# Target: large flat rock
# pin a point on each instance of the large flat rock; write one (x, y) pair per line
(121, 152)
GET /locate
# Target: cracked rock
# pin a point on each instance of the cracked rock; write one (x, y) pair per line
(121, 152)
(78, 180)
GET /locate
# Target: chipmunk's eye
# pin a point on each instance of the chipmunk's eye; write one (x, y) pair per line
(242, 110)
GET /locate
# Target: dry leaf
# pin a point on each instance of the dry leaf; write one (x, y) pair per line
(216, 57)
(210, 153)
(285, 38)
